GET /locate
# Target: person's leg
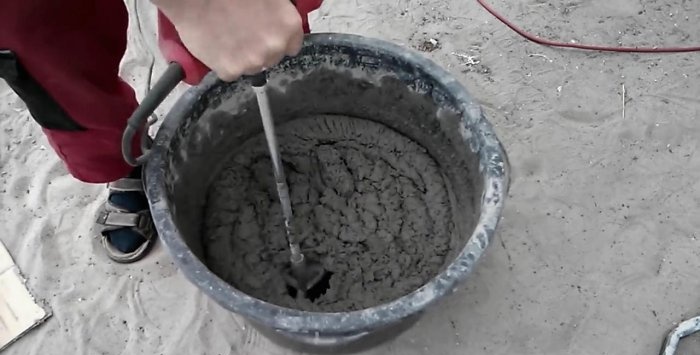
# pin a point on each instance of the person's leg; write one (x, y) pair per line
(72, 50)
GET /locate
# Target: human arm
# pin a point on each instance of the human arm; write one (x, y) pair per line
(236, 37)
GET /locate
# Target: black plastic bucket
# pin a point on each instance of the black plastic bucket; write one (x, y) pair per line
(334, 74)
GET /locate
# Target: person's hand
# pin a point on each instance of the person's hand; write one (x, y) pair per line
(236, 37)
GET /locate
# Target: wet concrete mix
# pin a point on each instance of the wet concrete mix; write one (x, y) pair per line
(370, 205)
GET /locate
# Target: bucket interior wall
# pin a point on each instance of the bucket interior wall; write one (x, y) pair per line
(324, 80)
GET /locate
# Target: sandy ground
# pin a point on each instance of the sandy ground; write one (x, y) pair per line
(598, 249)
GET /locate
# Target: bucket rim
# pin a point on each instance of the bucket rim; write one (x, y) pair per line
(493, 167)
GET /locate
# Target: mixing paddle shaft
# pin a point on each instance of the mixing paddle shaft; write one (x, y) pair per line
(304, 275)
(258, 82)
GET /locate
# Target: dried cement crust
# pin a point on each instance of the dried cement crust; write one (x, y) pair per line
(370, 205)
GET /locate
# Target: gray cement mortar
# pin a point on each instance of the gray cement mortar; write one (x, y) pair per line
(370, 205)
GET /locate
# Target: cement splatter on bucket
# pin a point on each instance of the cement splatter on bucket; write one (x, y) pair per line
(396, 174)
